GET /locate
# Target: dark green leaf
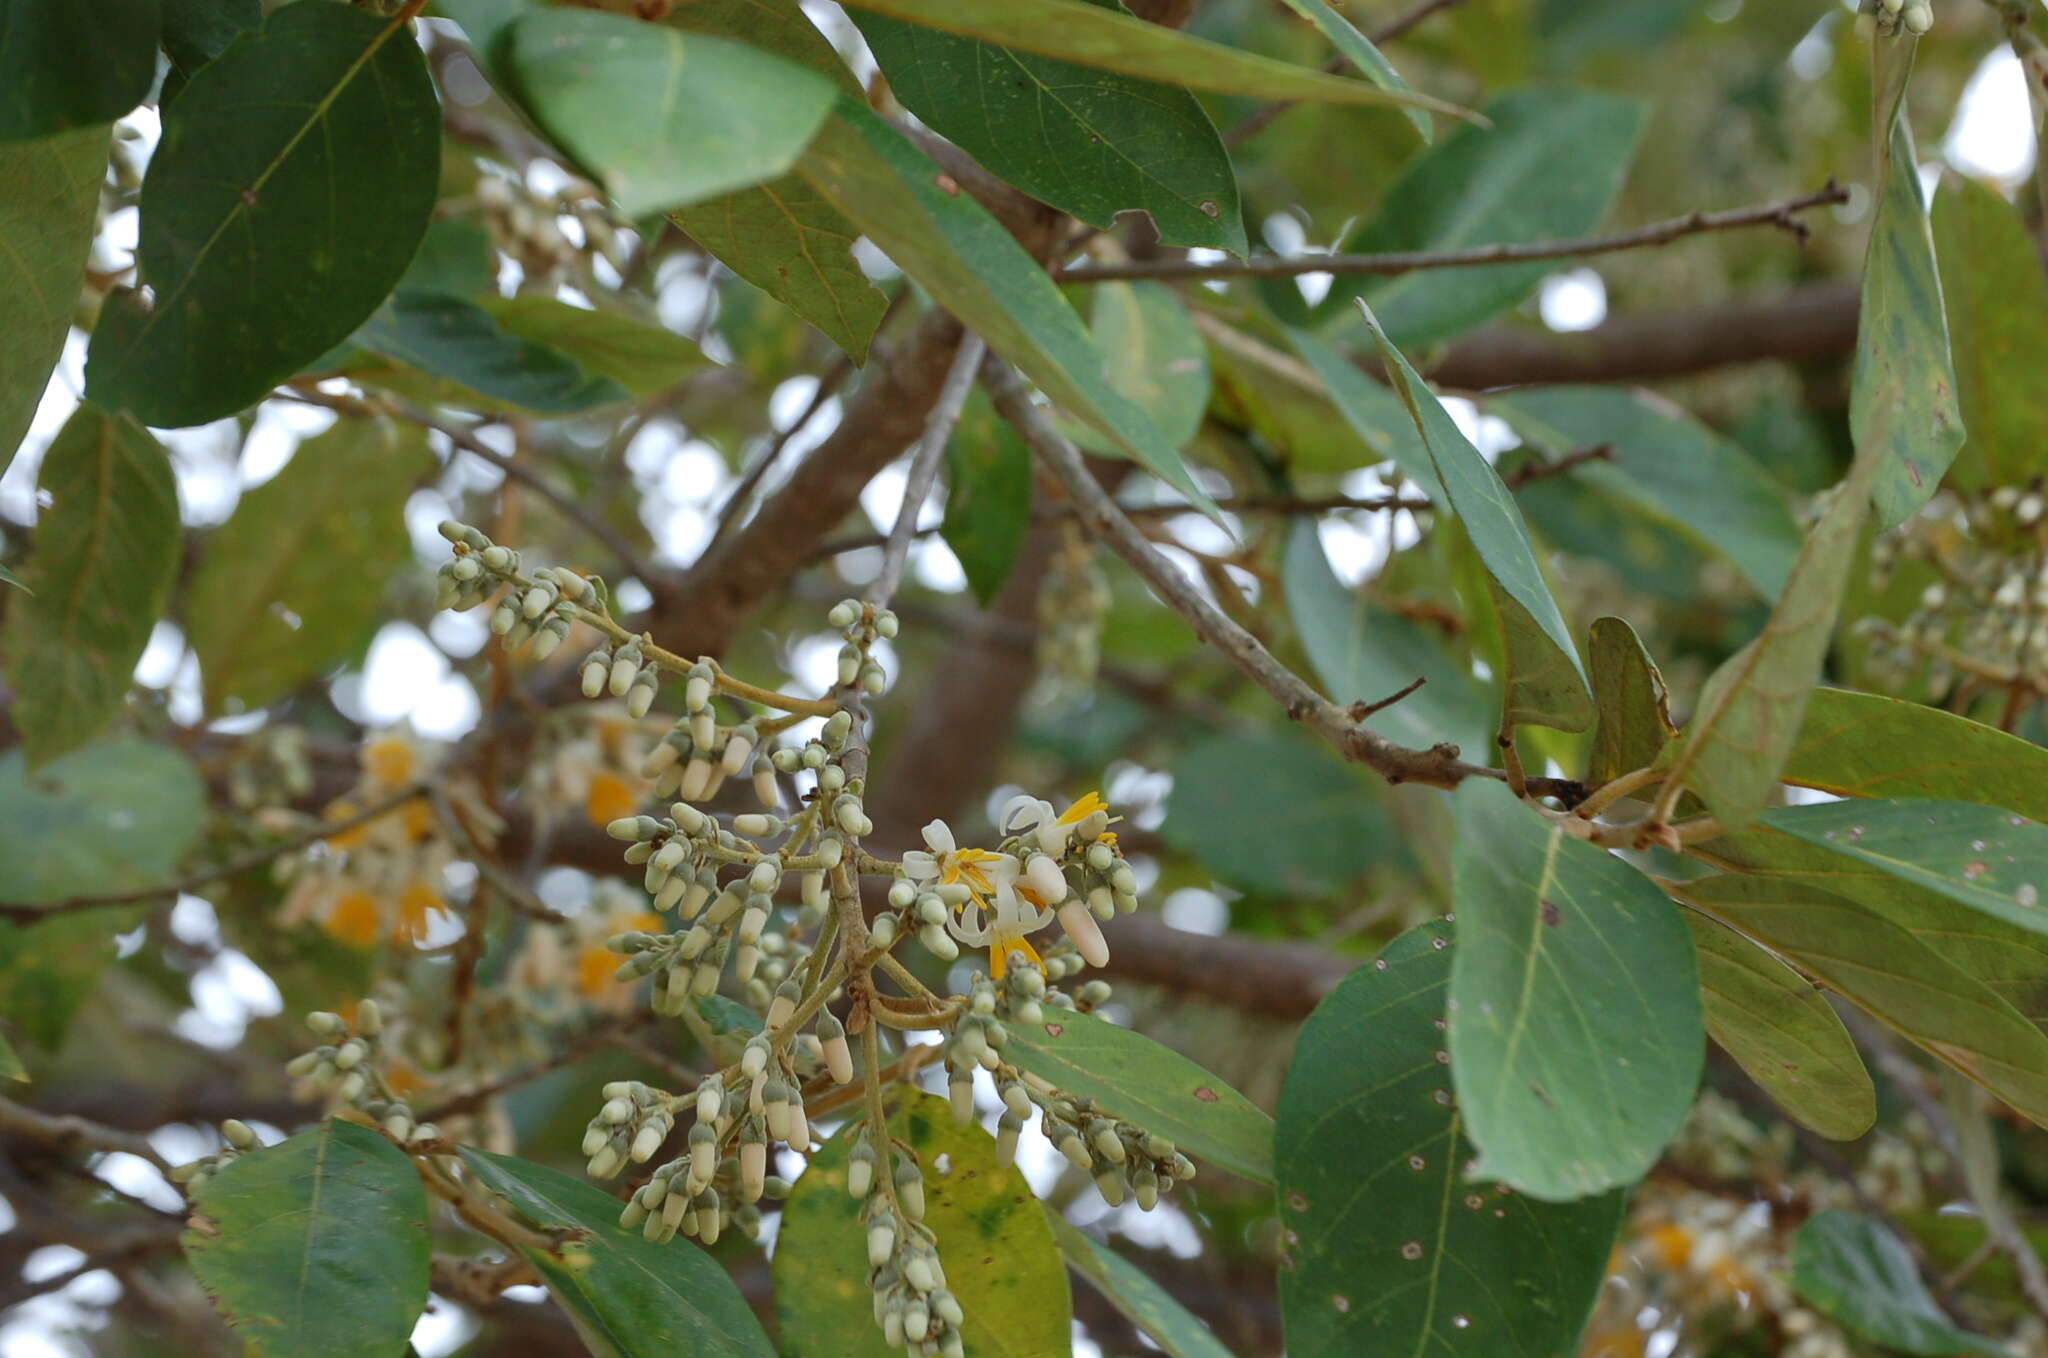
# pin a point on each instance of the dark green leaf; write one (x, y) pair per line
(1221, 810)
(106, 553)
(1393, 1248)
(46, 218)
(1150, 1085)
(993, 1242)
(48, 969)
(197, 31)
(453, 339)
(454, 257)
(268, 240)
(1547, 169)
(315, 1247)
(1867, 745)
(1575, 1030)
(640, 357)
(612, 92)
(1359, 51)
(1996, 294)
(1856, 1271)
(1634, 725)
(1090, 142)
(629, 1298)
(267, 608)
(1779, 1029)
(1141, 1301)
(988, 497)
(65, 65)
(1546, 685)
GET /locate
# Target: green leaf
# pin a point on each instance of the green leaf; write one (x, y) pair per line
(1575, 1029)
(641, 358)
(1136, 1297)
(8, 577)
(1664, 461)
(974, 268)
(1154, 356)
(1634, 725)
(56, 823)
(450, 338)
(197, 31)
(1545, 682)
(658, 117)
(1374, 412)
(46, 218)
(268, 240)
(1996, 294)
(316, 1247)
(1393, 1248)
(1886, 971)
(1779, 1029)
(267, 609)
(1092, 35)
(728, 1015)
(1150, 1085)
(1359, 51)
(105, 555)
(1979, 856)
(48, 969)
(993, 1242)
(488, 26)
(1364, 653)
(1089, 142)
(988, 497)
(1854, 1270)
(10, 1064)
(1902, 396)
(455, 257)
(1548, 169)
(65, 65)
(629, 1298)
(1867, 745)
(1221, 811)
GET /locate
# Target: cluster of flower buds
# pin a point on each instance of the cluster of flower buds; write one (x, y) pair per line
(861, 625)
(1073, 605)
(908, 1283)
(1123, 1159)
(346, 1065)
(631, 1126)
(529, 226)
(1894, 17)
(697, 754)
(192, 1175)
(539, 609)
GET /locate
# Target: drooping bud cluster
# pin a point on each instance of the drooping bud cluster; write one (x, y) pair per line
(631, 1126)
(905, 1277)
(239, 1137)
(1073, 604)
(1125, 1160)
(1893, 18)
(348, 1066)
(528, 226)
(539, 609)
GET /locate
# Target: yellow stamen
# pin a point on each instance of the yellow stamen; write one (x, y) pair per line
(355, 919)
(999, 955)
(1084, 806)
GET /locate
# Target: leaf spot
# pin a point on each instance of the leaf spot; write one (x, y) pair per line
(1206, 1094)
(1552, 916)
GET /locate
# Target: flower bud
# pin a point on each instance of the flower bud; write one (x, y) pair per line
(1080, 926)
(1008, 1127)
(1107, 1142)
(910, 1190)
(754, 1059)
(703, 1155)
(697, 689)
(1043, 876)
(739, 748)
(1070, 1144)
(938, 942)
(325, 1024)
(595, 670)
(1145, 1188)
(237, 1133)
(844, 614)
(1109, 1181)
(881, 1243)
(960, 1093)
(766, 790)
(640, 697)
(753, 1169)
(860, 1170)
(369, 1018)
(606, 1162)
(838, 1057)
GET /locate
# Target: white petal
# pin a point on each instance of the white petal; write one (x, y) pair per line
(920, 866)
(938, 837)
(1023, 811)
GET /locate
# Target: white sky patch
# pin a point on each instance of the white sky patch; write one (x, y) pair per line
(279, 429)
(1573, 300)
(406, 678)
(443, 1328)
(1992, 135)
(1195, 910)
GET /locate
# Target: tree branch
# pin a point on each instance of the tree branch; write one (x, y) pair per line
(924, 468)
(74, 1133)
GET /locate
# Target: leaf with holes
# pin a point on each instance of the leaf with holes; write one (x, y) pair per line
(1634, 726)
(106, 553)
(988, 497)
(993, 1243)
(1995, 293)
(1150, 1085)
(627, 1297)
(315, 1247)
(1390, 1246)
(66, 66)
(1136, 1297)
(1576, 1036)
(47, 217)
(1854, 1270)
(268, 240)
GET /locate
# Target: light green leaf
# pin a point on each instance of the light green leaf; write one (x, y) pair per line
(1779, 1029)
(1575, 1029)
(458, 341)
(1393, 1248)
(10, 1064)
(1089, 142)
(57, 823)
(1155, 357)
(1867, 745)
(974, 268)
(1150, 1085)
(1091, 35)
(988, 497)
(1221, 811)
(1359, 51)
(1136, 1297)
(106, 553)
(1902, 396)
(66, 66)
(1547, 169)
(8, 577)
(1375, 413)
(1996, 294)
(46, 218)
(993, 1242)
(1857, 1272)
(1664, 461)
(640, 357)
(1364, 653)
(1545, 682)
(661, 118)
(267, 610)
(728, 1015)
(630, 1298)
(316, 1247)
(1634, 725)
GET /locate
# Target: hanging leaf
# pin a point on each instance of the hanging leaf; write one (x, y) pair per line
(1575, 1034)
(1855, 1271)
(1780, 1030)
(1136, 1297)
(1376, 413)
(65, 66)
(1546, 685)
(627, 1297)
(1996, 294)
(1155, 357)
(641, 358)
(267, 241)
(1149, 1085)
(315, 1247)
(267, 610)
(46, 218)
(1548, 168)
(1867, 745)
(12, 1069)
(1392, 1246)
(1359, 51)
(988, 497)
(1634, 726)
(458, 341)
(1089, 142)
(993, 1241)
(106, 553)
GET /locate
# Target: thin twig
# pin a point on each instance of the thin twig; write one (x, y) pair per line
(592, 1039)
(1361, 710)
(1385, 33)
(74, 1133)
(924, 467)
(1783, 215)
(735, 505)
